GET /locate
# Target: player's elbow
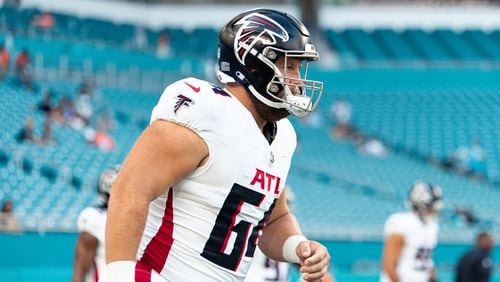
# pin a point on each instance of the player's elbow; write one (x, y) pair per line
(125, 203)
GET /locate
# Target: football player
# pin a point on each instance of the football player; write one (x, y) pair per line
(89, 262)
(410, 237)
(203, 184)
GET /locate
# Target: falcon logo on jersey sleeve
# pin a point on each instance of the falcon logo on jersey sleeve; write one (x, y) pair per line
(181, 102)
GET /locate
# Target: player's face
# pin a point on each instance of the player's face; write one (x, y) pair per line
(291, 70)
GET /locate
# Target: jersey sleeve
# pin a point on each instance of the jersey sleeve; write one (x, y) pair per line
(395, 224)
(88, 221)
(187, 103)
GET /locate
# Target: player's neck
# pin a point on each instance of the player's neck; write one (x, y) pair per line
(243, 96)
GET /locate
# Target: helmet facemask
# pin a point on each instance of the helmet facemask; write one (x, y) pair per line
(297, 94)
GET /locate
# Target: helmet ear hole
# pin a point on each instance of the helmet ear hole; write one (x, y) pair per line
(271, 55)
(273, 88)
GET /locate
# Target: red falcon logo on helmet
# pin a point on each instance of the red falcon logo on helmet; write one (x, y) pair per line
(256, 28)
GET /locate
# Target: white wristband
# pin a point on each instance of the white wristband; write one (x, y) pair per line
(290, 247)
(121, 271)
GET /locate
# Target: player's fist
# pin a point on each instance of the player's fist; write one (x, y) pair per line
(314, 260)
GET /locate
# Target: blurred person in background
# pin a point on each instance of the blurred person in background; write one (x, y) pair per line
(23, 72)
(100, 137)
(86, 88)
(341, 111)
(477, 160)
(411, 236)
(103, 140)
(140, 40)
(465, 215)
(9, 42)
(65, 112)
(4, 61)
(27, 132)
(469, 159)
(46, 104)
(265, 269)
(8, 220)
(476, 265)
(372, 146)
(89, 262)
(84, 110)
(47, 138)
(84, 106)
(106, 121)
(184, 208)
(44, 21)
(163, 46)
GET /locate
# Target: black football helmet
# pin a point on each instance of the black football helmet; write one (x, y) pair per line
(249, 46)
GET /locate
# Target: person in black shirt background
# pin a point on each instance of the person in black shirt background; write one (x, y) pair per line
(476, 264)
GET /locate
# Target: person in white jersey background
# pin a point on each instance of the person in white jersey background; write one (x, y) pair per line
(202, 187)
(89, 262)
(265, 269)
(411, 236)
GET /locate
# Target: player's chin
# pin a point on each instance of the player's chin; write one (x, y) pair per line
(269, 114)
(273, 115)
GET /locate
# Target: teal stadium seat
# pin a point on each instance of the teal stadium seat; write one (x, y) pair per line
(4, 158)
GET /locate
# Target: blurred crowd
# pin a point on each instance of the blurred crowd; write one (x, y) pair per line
(75, 111)
(8, 220)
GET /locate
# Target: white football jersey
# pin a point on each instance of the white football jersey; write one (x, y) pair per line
(206, 227)
(264, 269)
(93, 221)
(415, 261)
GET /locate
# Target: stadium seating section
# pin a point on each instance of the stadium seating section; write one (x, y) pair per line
(415, 46)
(199, 42)
(419, 113)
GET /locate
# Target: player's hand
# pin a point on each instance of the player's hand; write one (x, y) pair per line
(314, 260)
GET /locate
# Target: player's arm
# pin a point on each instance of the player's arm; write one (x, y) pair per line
(392, 250)
(312, 256)
(164, 154)
(433, 276)
(86, 247)
(281, 225)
